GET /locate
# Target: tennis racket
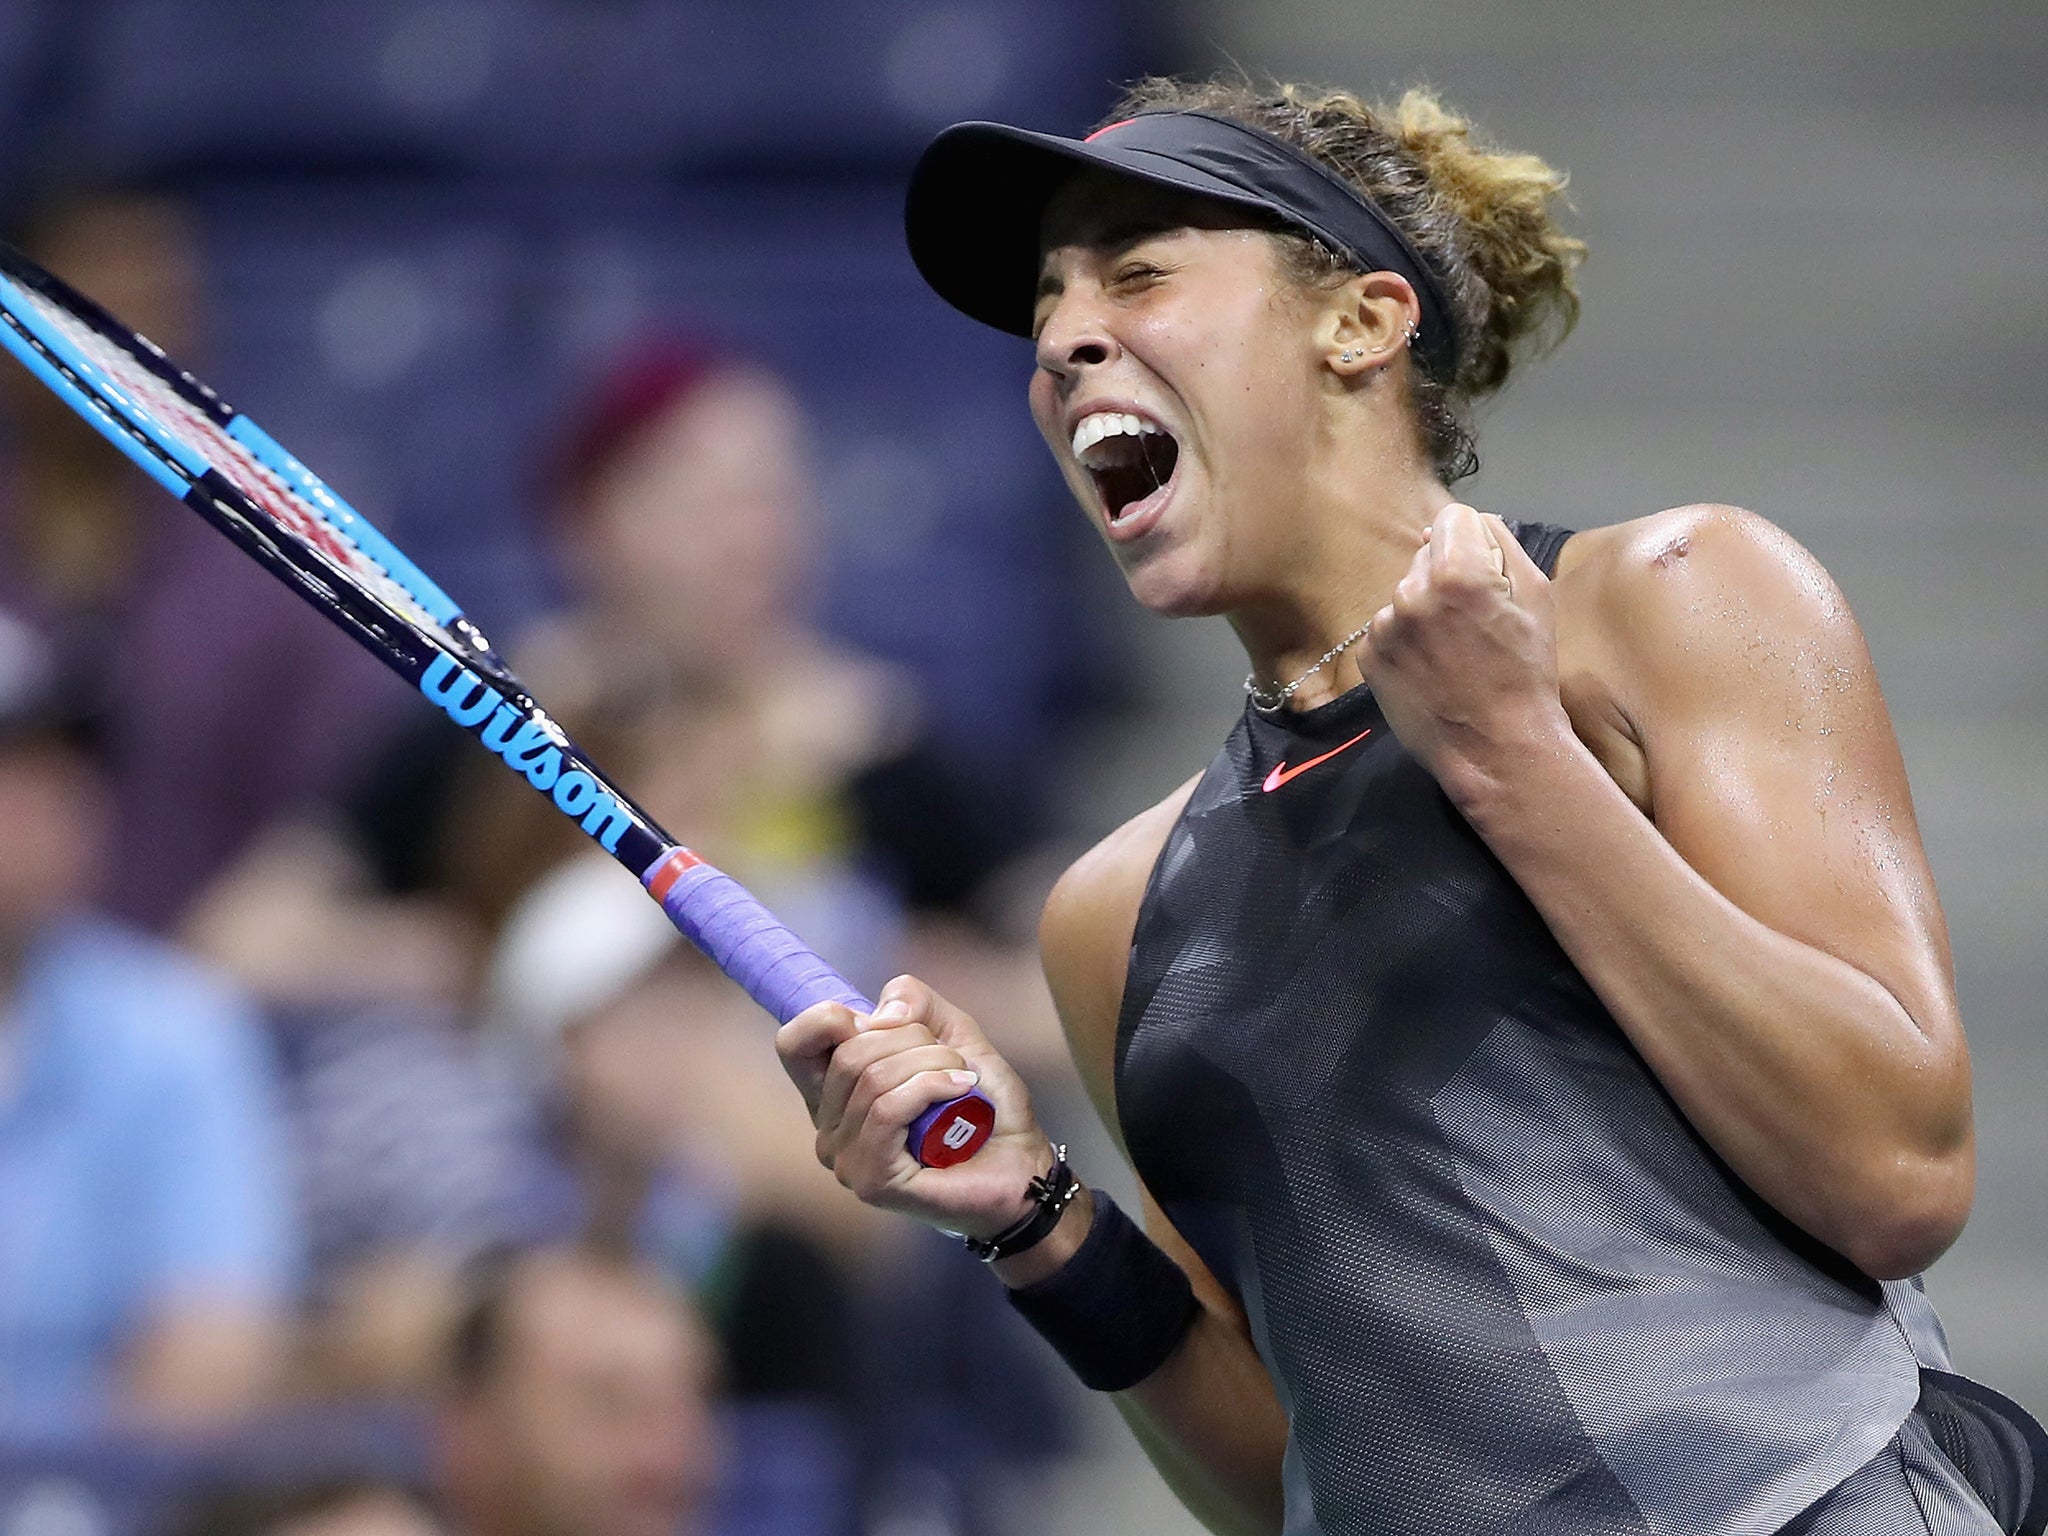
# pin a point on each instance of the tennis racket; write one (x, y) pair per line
(236, 476)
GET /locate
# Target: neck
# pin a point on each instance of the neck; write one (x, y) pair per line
(1341, 569)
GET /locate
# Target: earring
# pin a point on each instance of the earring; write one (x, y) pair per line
(1347, 356)
(1411, 335)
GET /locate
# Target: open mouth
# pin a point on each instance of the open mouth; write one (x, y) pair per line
(1129, 458)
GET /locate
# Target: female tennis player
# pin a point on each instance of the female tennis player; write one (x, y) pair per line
(1534, 1032)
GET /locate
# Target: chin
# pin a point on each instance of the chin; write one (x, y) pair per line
(1172, 590)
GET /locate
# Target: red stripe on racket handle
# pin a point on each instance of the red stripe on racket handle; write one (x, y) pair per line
(785, 975)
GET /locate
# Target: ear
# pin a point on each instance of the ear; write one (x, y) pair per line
(1366, 322)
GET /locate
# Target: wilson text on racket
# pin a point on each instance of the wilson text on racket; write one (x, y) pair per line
(528, 742)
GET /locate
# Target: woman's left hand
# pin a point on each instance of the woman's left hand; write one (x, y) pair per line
(1463, 661)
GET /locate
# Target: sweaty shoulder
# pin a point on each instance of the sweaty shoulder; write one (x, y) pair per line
(1084, 939)
(1679, 548)
(1666, 611)
(1703, 584)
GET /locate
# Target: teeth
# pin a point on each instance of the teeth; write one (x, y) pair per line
(1097, 425)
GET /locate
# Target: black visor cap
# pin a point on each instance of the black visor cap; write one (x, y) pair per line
(976, 210)
(976, 205)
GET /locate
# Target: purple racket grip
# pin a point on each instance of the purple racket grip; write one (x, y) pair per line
(785, 975)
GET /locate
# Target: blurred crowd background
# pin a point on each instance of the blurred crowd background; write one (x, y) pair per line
(373, 1160)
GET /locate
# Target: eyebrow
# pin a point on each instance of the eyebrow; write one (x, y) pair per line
(1116, 238)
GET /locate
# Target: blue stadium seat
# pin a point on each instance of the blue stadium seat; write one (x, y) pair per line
(824, 79)
(27, 57)
(382, 334)
(172, 84)
(538, 86)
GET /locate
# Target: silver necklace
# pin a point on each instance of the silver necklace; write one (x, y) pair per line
(1268, 702)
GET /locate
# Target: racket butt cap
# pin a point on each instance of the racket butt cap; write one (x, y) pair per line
(952, 1132)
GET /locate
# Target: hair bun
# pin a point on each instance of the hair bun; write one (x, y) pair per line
(1506, 207)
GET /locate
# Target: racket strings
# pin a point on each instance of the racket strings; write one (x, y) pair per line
(283, 503)
(92, 389)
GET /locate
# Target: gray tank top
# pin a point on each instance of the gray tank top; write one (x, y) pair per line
(1500, 1282)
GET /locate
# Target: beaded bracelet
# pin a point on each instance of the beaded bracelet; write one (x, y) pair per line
(1050, 1194)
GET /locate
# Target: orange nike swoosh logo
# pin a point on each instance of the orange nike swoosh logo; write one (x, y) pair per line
(1282, 773)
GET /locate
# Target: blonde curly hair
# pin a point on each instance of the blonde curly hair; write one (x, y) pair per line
(1485, 219)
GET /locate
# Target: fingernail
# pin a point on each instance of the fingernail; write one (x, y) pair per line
(892, 1012)
(964, 1080)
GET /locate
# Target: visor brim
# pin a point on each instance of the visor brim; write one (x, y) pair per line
(975, 211)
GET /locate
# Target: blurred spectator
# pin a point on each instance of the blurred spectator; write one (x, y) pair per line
(687, 660)
(418, 1147)
(670, 1122)
(684, 526)
(578, 1404)
(674, 1139)
(146, 1243)
(228, 701)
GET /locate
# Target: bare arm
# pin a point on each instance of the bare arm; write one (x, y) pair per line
(1208, 1417)
(1720, 835)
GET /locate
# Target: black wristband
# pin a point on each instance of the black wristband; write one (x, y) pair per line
(1117, 1308)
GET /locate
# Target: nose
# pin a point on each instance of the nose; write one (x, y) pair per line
(1074, 336)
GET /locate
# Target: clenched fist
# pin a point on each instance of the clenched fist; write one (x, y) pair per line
(1463, 661)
